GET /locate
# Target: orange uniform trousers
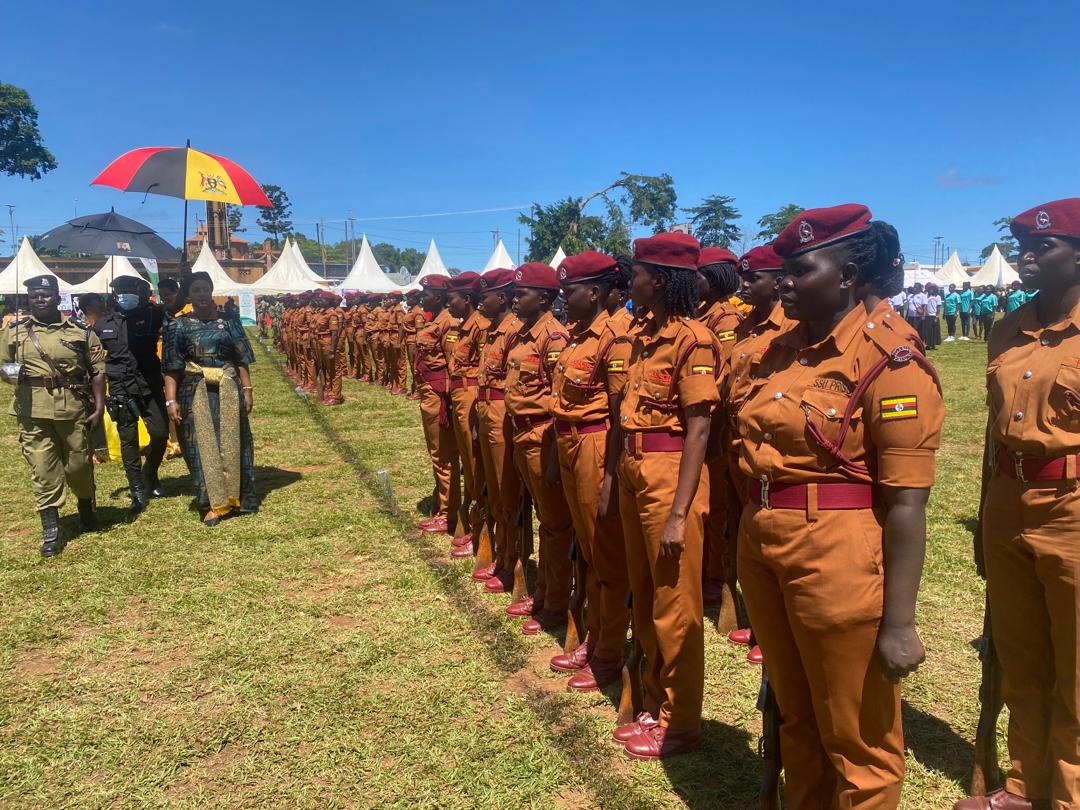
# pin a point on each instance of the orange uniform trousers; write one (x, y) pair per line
(360, 356)
(410, 352)
(310, 359)
(472, 466)
(1032, 552)
(503, 484)
(378, 360)
(331, 364)
(554, 569)
(814, 587)
(398, 366)
(600, 541)
(667, 591)
(442, 448)
(720, 540)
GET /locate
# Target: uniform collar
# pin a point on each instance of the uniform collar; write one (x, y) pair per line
(837, 341)
(537, 328)
(595, 328)
(1028, 323)
(64, 321)
(650, 330)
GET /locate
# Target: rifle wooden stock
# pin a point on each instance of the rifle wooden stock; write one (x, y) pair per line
(986, 772)
(575, 618)
(632, 698)
(485, 546)
(524, 548)
(769, 747)
(728, 618)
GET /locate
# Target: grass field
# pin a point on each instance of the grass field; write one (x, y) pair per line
(324, 654)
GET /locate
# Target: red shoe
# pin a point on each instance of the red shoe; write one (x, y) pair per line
(464, 540)
(572, 661)
(641, 724)
(524, 608)
(740, 636)
(461, 552)
(500, 582)
(596, 675)
(543, 620)
(661, 743)
(712, 591)
(485, 573)
(413, 397)
(435, 525)
(755, 656)
(397, 392)
(998, 800)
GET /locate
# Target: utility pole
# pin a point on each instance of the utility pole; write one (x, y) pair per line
(938, 240)
(495, 236)
(11, 234)
(322, 246)
(350, 234)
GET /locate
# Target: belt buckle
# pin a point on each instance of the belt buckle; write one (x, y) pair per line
(765, 504)
(1018, 465)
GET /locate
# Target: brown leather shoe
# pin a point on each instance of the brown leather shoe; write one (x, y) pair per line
(660, 743)
(571, 661)
(597, 674)
(999, 800)
(740, 636)
(712, 591)
(642, 723)
(543, 620)
(526, 607)
(500, 582)
(485, 573)
(755, 656)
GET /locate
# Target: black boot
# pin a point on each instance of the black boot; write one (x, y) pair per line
(87, 515)
(53, 539)
(138, 493)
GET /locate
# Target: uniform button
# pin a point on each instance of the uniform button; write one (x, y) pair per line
(869, 324)
(803, 361)
(767, 437)
(1045, 341)
(831, 412)
(1027, 375)
(644, 354)
(578, 379)
(742, 355)
(624, 418)
(1018, 415)
(777, 395)
(637, 385)
(562, 368)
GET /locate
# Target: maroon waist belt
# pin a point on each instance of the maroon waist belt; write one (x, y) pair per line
(436, 379)
(491, 394)
(1029, 468)
(457, 383)
(634, 443)
(565, 428)
(796, 496)
(526, 422)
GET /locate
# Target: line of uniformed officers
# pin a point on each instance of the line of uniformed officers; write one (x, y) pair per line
(772, 454)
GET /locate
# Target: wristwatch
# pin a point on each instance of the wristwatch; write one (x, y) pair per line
(169, 402)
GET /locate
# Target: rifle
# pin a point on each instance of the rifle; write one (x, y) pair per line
(485, 547)
(524, 547)
(575, 618)
(986, 771)
(632, 698)
(769, 746)
(730, 616)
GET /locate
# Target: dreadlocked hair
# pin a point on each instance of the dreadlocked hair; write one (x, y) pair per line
(876, 252)
(680, 290)
(622, 272)
(722, 278)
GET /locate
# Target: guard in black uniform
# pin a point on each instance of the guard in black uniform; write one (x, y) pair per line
(136, 388)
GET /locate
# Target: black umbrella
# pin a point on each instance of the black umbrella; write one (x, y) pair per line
(108, 235)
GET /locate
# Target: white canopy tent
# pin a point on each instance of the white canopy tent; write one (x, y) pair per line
(115, 267)
(223, 285)
(24, 265)
(915, 273)
(500, 257)
(558, 258)
(995, 273)
(953, 272)
(367, 276)
(289, 274)
(433, 266)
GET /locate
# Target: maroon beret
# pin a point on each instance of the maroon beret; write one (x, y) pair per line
(819, 227)
(326, 295)
(1057, 218)
(585, 266)
(537, 274)
(669, 249)
(716, 255)
(466, 282)
(395, 294)
(435, 281)
(763, 257)
(496, 279)
(411, 293)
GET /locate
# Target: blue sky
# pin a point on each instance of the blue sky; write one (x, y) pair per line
(940, 116)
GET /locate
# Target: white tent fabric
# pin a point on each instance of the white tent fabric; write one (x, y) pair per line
(500, 257)
(996, 272)
(953, 272)
(290, 274)
(433, 265)
(367, 276)
(26, 264)
(114, 267)
(223, 285)
(558, 258)
(915, 273)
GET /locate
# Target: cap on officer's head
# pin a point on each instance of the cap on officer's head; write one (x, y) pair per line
(42, 282)
(674, 249)
(128, 283)
(1057, 218)
(537, 275)
(819, 227)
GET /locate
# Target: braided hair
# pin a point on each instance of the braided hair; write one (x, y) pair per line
(876, 252)
(722, 278)
(622, 272)
(680, 290)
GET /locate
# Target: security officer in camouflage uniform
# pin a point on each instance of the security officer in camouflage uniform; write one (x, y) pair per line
(59, 398)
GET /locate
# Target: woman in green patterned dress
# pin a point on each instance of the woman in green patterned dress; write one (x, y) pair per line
(208, 395)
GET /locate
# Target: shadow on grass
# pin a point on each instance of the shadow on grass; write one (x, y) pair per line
(936, 745)
(723, 774)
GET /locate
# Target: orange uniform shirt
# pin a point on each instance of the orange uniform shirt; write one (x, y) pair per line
(673, 365)
(327, 321)
(395, 317)
(468, 342)
(532, 359)
(721, 319)
(414, 321)
(580, 382)
(431, 361)
(896, 423)
(493, 355)
(1033, 384)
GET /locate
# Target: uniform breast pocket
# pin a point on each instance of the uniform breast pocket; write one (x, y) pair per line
(824, 410)
(1065, 398)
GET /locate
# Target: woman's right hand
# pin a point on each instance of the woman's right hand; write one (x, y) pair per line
(173, 409)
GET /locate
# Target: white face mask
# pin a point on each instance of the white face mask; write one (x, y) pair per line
(127, 301)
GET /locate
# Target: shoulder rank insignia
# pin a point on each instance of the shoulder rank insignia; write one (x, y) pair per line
(900, 407)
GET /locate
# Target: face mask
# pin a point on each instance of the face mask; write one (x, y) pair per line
(127, 301)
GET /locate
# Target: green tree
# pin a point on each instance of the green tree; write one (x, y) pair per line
(1006, 243)
(235, 213)
(311, 249)
(387, 255)
(412, 259)
(274, 219)
(713, 221)
(633, 200)
(772, 224)
(22, 150)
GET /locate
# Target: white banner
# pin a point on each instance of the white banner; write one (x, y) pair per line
(247, 308)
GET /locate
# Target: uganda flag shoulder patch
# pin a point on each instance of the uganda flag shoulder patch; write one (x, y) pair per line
(900, 407)
(553, 356)
(726, 335)
(701, 369)
(615, 365)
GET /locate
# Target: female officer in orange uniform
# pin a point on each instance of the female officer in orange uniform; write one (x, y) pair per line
(1031, 514)
(837, 436)
(664, 491)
